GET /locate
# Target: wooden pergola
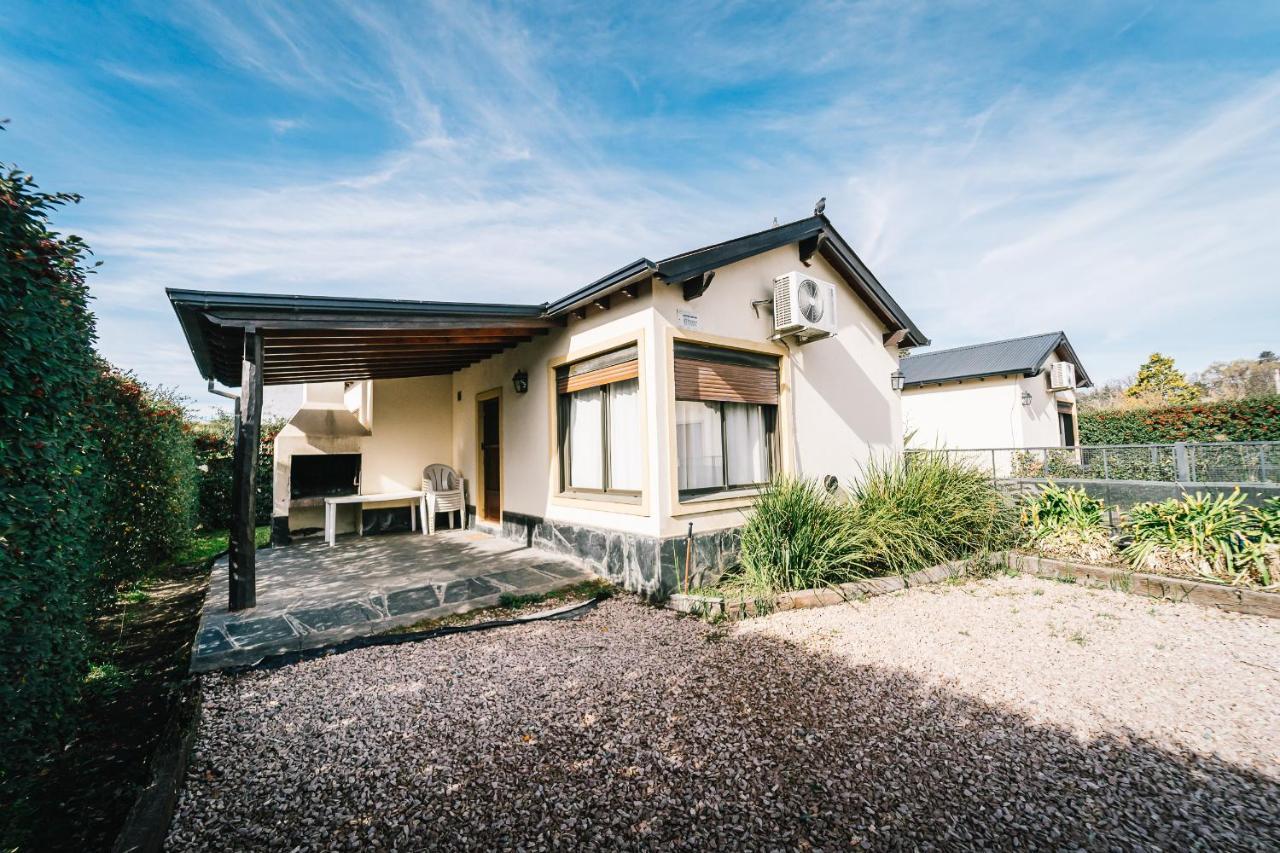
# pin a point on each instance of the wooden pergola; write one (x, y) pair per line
(252, 340)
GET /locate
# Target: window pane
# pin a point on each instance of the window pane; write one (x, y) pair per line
(624, 435)
(698, 445)
(586, 441)
(748, 447)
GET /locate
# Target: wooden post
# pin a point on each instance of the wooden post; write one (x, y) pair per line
(244, 476)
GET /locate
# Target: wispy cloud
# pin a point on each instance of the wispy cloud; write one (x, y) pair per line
(999, 178)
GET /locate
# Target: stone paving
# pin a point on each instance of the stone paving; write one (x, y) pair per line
(311, 595)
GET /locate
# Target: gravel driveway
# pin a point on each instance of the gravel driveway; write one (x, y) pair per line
(1008, 713)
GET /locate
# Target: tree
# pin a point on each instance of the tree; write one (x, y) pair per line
(1160, 382)
(1240, 379)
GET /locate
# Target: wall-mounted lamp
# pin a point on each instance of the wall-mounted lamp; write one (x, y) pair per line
(520, 381)
(1026, 399)
(897, 379)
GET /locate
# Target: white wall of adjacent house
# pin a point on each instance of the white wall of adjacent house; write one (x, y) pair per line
(986, 413)
(975, 413)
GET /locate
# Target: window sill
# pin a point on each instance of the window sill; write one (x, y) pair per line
(602, 497)
(727, 495)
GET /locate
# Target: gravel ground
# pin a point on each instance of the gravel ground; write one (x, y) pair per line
(1013, 713)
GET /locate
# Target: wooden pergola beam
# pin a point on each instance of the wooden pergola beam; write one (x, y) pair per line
(463, 335)
(241, 553)
(357, 375)
(278, 360)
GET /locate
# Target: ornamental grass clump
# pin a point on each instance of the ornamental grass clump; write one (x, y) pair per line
(799, 537)
(1068, 524)
(899, 517)
(1210, 537)
(914, 512)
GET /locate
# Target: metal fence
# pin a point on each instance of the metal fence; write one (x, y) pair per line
(1124, 474)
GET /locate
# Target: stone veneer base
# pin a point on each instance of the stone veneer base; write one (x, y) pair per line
(647, 565)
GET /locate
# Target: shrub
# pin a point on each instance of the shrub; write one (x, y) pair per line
(214, 442)
(899, 517)
(916, 512)
(48, 470)
(147, 508)
(799, 537)
(96, 470)
(1215, 537)
(1067, 523)
(1255, 419)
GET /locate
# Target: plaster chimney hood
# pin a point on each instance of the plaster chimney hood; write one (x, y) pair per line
(324, 413)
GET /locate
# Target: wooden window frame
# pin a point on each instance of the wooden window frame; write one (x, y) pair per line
(565, 444)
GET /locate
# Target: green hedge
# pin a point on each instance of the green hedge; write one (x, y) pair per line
(149, 487)
(48, 471)
(97, 472)
(1255, 419)
(214, 441)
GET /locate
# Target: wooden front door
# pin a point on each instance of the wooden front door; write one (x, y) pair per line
(491, 460)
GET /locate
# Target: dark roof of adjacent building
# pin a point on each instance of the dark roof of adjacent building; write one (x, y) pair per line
(319, 338)
(1025, 356)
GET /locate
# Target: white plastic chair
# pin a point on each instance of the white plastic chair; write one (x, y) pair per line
(442, 491)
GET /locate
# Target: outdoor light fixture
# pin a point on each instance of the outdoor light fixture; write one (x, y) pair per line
(520, 381)
(896, 379)
(1026, 398)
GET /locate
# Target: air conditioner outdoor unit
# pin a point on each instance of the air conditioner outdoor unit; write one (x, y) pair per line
(1062, 376)
(804, 306)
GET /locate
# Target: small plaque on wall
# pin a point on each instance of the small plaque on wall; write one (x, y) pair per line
(688, 320)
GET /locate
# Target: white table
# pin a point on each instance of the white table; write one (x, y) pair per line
(331, 510)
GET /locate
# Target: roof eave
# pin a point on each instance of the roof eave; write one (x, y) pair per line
(618, 279)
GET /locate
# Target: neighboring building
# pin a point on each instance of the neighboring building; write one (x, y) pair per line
(1003, 394)
(602, 424)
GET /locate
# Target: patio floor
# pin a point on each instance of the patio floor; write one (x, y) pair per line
(311, 595)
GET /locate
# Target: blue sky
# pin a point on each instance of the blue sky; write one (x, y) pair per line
(1111, 168)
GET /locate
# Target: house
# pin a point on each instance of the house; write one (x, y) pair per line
(611, 423)
(1016, 393)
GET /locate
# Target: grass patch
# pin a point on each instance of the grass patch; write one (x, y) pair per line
(208, 544)
(107, 678)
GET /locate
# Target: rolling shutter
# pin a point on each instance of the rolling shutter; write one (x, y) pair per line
(615, 366)
(730, 376)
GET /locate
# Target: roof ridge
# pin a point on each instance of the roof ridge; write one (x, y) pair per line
(983, 344)
(736, 239)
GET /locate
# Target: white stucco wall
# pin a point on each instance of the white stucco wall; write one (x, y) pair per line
(529, 472)
(411, 425)
(986, 413)
(838, 408)
(977, 413)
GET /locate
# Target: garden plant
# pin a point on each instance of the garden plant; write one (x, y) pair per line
(901, 515)
(1069, 524)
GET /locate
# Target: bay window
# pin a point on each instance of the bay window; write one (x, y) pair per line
(726, 415)
(598, 407)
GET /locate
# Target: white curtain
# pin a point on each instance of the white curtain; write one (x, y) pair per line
(748, 450)
(698, 445)
(586, 440)
(624, 435)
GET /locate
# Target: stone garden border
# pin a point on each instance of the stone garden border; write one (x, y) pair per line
(1229, 598)
(1220, 596)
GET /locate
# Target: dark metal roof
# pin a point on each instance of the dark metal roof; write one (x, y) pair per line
(1025, 356)
(318, 338)
(688, 265)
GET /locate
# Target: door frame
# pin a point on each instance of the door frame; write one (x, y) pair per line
(481, 507)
